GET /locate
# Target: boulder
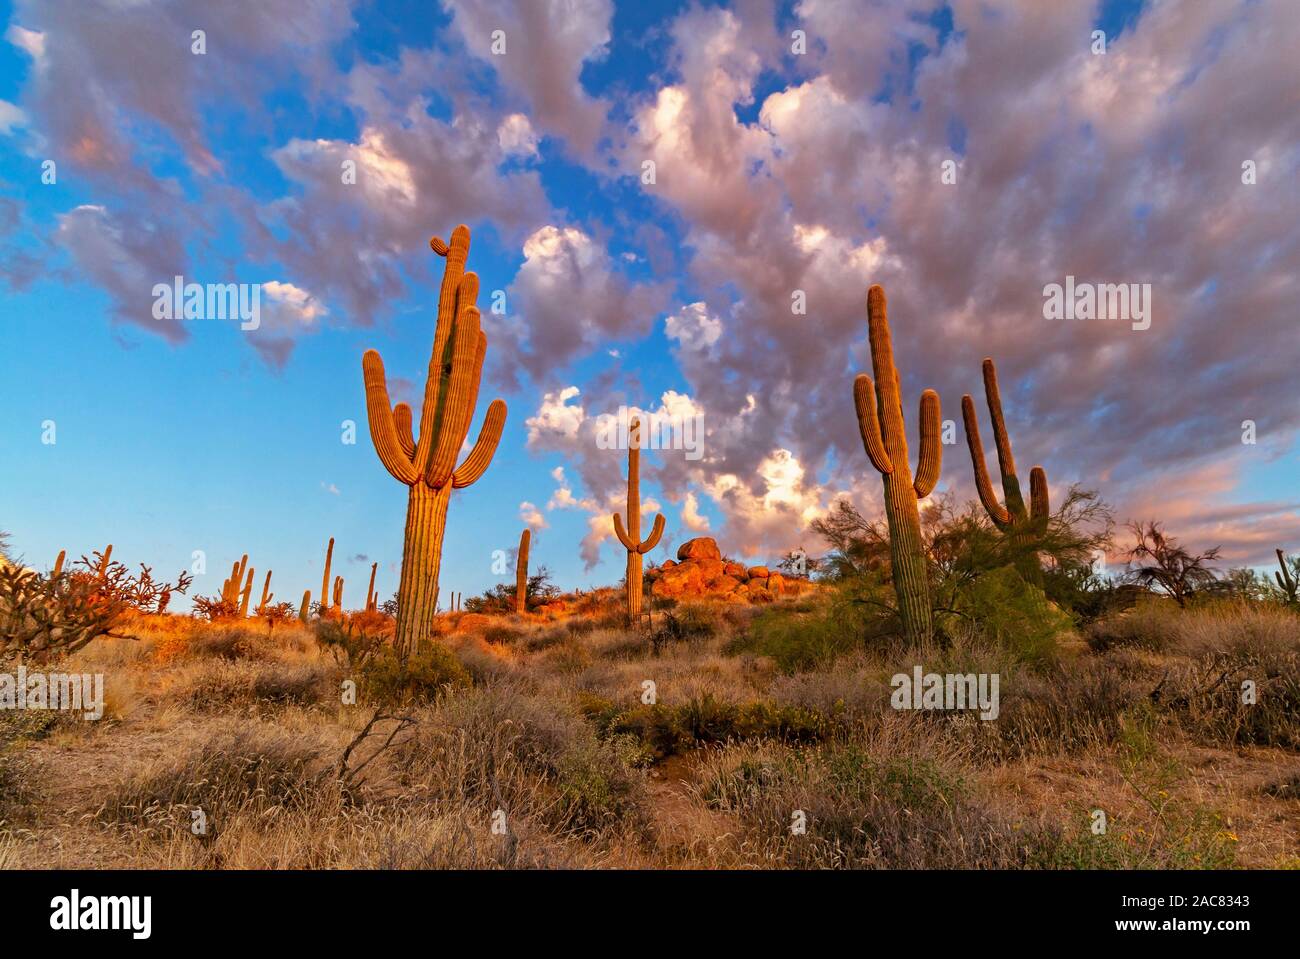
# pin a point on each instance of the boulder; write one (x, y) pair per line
(759, 572)
(776, 584)
(735, 570)
(681, 580)
(702, 547)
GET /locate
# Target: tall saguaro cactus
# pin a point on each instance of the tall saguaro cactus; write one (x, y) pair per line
(880, 421)
(1013, 517)
(428, 465)
(521, 573)
(325, 579)
(630, 535)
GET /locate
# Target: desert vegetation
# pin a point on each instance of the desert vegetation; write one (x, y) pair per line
(722, 715)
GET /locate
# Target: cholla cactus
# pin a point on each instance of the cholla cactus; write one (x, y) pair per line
(1013, 517)
(521, 573)
(630, 536)
(428, 465)
(880, 421)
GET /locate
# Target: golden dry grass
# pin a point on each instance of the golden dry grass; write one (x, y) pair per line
(553, 758)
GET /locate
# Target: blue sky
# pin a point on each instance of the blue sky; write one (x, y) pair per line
(776, 172)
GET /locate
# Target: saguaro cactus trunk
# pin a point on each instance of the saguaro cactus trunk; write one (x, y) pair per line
(248, 591)
(521, 573)
(372, 598)
(267, 595)
(880, 421)
(1023, 526)
(304, 611)
(325, 579)
(428, 465)
(630, 535)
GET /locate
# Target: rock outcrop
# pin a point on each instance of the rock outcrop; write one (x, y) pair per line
(701, 572)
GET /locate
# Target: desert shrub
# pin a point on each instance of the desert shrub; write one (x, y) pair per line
(685, 623)
(1153, 625)
(663, 730)
(500, 748)
(1169, 832)
(422, 677)
(17, 788)
(1207, 696)
(238, 769)
(1015, 614)
(501, 597)
(45, 615)
(861, 810)
(503, 634)
(230, 643)
(546, 638)
(580, 626)
(350, 645)
(1063, 709)
(805, 641)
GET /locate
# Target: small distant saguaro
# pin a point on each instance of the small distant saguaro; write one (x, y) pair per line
(521, 573)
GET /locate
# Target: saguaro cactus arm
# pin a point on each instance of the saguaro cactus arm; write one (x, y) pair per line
(479, 458)
(656, 532)
(1013, 512)
(864, 400)
(885, 407)
(383, 426)
(405, 436)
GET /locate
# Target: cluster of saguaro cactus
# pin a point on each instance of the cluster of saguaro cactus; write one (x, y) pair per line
(880, 421)
(630, 535)
(521, 573)
(1013, 518)
(427, 465)
(237, 588)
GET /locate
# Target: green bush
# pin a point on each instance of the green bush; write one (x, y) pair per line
(1015, 614)
(422, 677)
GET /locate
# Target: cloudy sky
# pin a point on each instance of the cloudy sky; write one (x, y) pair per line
(963, 154)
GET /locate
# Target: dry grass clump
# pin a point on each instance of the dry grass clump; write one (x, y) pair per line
(217, 685)
(863, 803)
(237, 768)
(533, 759)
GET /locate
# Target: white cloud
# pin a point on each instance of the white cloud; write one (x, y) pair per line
(517, 137)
